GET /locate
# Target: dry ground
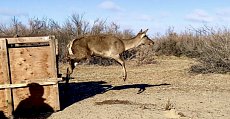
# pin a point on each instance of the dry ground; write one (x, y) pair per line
(155, 91)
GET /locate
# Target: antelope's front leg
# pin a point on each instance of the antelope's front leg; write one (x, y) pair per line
(124, 72)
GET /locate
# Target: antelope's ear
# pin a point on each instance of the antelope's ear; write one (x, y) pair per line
(140, 31)
(146, 31)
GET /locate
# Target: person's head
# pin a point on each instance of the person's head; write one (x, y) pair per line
(36, 90)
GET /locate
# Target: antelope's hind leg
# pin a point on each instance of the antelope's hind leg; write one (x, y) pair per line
(122, 63)
(70, 68)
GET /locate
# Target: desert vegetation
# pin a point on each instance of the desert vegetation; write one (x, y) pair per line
(210, 46)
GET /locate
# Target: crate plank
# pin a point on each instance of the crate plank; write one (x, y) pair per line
(28, 39)
(5, 94)
(3, 75)
(43, 83)
(34, 62)
(47, 95)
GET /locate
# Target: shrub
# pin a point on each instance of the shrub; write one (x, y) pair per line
(145, 55)
(74, 27)
(211, 48)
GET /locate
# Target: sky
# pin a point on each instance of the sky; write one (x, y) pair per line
(156, 15)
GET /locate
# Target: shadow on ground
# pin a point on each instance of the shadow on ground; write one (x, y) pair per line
(73, 92)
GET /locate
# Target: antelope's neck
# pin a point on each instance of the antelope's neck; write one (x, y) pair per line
(131, 43)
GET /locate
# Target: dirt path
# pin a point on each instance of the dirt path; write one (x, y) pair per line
(155, 91)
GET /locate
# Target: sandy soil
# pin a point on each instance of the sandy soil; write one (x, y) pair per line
(155, 91)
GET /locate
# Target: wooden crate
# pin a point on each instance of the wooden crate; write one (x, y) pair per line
(28, 74)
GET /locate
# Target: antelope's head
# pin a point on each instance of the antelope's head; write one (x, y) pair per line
(145, 40)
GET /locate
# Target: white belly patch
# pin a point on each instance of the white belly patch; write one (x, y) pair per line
(70, 47)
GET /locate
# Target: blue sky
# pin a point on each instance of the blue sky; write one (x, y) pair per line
(157, 15)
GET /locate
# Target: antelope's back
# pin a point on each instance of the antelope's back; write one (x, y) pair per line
(105, 43)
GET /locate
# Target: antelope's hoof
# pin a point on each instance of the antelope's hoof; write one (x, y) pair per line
(124, 78)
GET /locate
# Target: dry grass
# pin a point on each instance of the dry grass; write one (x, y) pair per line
(168, 105)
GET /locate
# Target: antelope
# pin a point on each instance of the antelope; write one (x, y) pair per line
(106, 46)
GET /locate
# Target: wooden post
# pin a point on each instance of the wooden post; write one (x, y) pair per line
(6, 70)
(54, 52)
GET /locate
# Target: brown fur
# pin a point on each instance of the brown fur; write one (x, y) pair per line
(107, 46)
